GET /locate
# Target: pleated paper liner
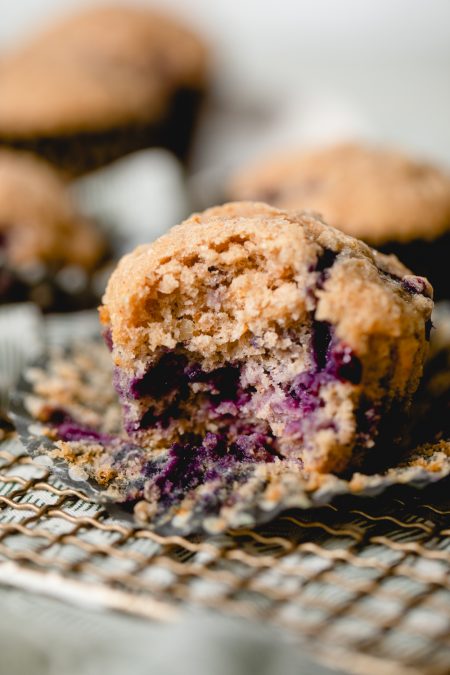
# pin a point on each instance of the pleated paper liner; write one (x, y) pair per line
(102, 462)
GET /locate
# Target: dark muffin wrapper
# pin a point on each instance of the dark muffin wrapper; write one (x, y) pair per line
(427, 258)
(80, 152)
(54, 290)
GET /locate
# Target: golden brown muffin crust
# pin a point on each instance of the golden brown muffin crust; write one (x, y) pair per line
(356, 298)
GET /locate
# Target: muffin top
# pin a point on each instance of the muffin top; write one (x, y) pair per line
(105, 67)
(276, 268)
(373, 194)
(38, 222)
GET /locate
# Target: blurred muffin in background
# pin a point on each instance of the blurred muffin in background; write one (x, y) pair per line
(101, 84)
(393, 202)
(49, 254)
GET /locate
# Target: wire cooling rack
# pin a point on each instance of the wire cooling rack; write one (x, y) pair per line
(364, 584)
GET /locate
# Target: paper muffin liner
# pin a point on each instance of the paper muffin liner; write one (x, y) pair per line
(75, 383)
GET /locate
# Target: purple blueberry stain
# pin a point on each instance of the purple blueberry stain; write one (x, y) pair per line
(343, 364)
(332, 356)
(107, 338)
(170, 380)
(223, 382)
(320, 342)
(305, 391)
(325, 261)
(194, 462)
(173, 372)
(417, 286)
(71, 431)
(68, 429)
(150, 419)
(333, 361)
(161, 378)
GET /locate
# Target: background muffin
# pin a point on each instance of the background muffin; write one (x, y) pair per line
(102, 84)
(392, 202)
(48, 251)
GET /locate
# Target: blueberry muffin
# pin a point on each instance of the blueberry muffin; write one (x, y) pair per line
(266, 332)
(388, 200)
(102, 84)
(49, 253)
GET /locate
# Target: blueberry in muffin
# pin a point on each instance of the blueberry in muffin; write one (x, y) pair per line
(392, 202)
(249, 329)
(49, 253)
(101, 84)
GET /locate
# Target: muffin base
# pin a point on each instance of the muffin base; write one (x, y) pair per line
(79, 153)
(68, 417)
(176, 401)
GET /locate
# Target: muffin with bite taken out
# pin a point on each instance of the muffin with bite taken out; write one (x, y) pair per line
(268, 333)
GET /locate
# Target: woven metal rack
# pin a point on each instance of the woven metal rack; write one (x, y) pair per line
(364, 584)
